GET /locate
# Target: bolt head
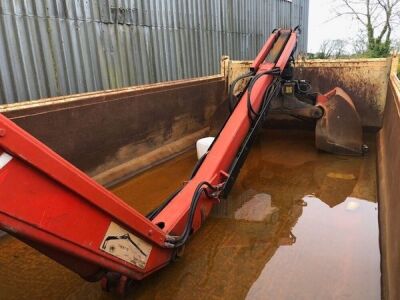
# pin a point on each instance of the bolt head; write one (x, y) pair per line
(2, 132)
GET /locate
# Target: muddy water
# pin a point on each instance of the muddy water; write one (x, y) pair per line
(298, 224)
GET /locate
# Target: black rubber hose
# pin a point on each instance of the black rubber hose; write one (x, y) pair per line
(302, 84)
(251, 111)
(271, 93)
(198, 165)
(232, 88)
(180, 240)
(250, 108)
(151, 215)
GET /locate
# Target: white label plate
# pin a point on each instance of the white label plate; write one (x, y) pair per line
(5, 158)
(120, 243)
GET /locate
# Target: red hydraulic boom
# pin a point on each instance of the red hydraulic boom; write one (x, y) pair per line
(57, 209)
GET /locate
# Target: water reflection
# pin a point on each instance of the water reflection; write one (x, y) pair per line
(336, 255)
(258, 209)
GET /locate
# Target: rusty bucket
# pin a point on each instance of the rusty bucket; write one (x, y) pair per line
(339, 130)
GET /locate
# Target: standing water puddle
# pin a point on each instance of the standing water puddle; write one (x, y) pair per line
(299, 224)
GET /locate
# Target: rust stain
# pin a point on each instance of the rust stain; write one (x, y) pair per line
(365, 80)
(365, 93)
(105, 129)
(389, 189)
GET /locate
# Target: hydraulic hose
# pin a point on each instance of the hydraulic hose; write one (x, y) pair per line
(232, 88)
(151, 215)
(252, 113)
(177, 241)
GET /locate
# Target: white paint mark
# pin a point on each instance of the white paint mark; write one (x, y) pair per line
(5, 158)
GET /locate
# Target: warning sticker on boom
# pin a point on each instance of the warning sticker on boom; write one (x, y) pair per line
(126, 246)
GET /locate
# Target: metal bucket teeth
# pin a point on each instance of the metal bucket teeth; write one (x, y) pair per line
(339, 131)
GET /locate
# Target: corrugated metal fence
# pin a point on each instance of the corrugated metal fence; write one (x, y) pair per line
(58, 47)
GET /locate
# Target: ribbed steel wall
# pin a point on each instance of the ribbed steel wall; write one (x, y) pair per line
(58, 47)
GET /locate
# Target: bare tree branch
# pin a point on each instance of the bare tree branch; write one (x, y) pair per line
(378, 17)
(355, 13)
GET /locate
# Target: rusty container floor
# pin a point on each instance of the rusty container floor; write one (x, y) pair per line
(299, 224)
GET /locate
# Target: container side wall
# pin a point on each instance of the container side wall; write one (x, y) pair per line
(389, 191)
(365, 80)
(117, 133)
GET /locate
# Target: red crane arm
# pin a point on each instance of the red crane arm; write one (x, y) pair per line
(54, 207)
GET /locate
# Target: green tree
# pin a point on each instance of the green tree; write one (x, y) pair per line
(378, 18)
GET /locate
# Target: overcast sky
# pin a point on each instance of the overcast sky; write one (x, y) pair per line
(320, 28)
